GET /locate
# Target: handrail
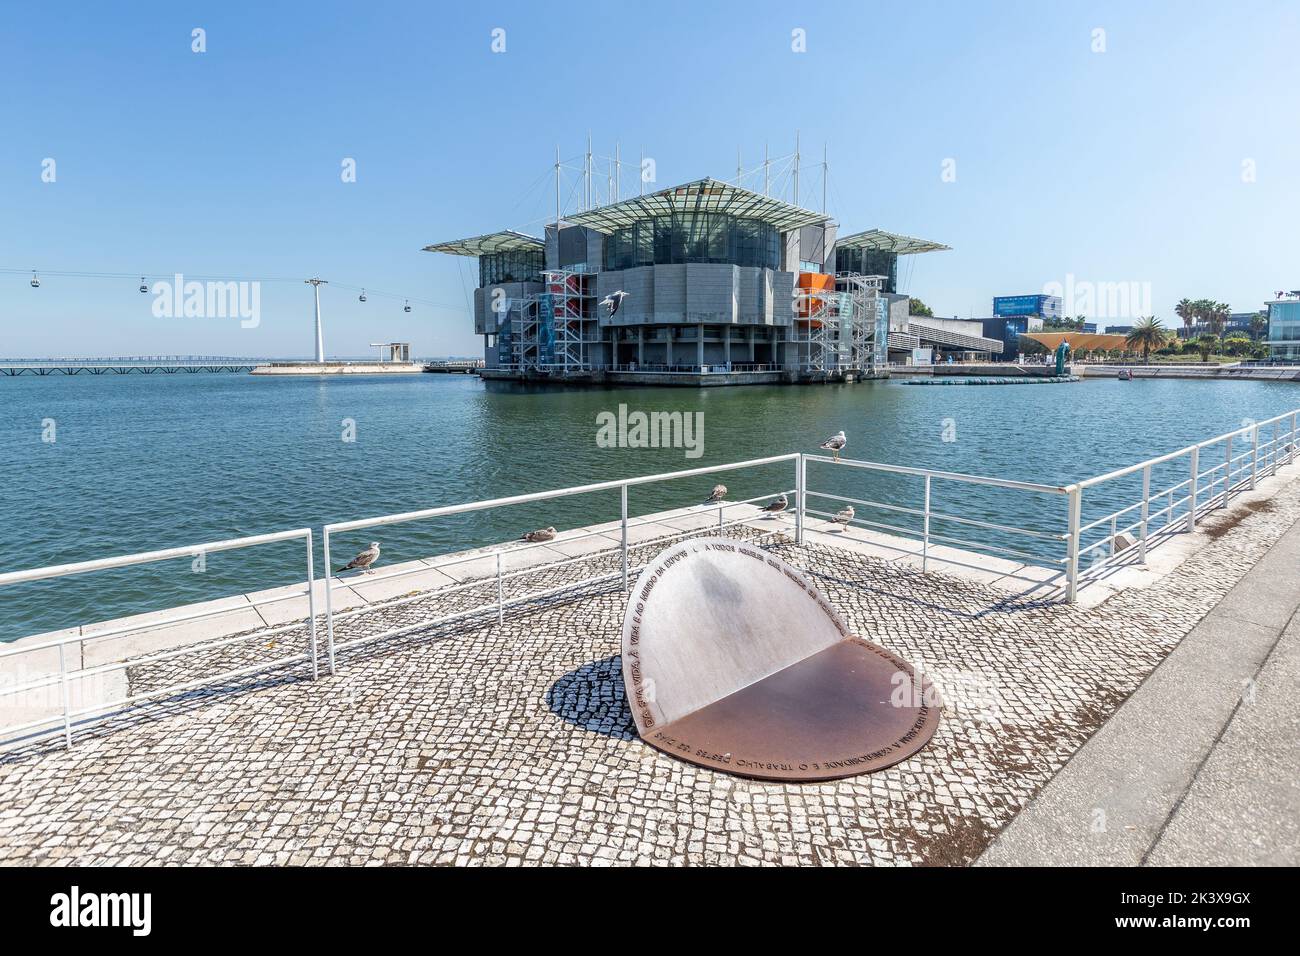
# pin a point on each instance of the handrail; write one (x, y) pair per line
(546, 495)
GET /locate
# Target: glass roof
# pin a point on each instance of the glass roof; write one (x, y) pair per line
(503, 241)
(705, 195)
(888, 242)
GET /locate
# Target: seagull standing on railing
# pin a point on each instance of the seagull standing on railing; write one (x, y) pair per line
(835, 443)
(718, 494)
(363, 560)
(541, 534)
(777, 506)
(613, 301)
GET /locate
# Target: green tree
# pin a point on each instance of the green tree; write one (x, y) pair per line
(1259, 324)
(1186, 310)
(1147, 336)
(1206, 345)
(1237, 344)
(917, 307)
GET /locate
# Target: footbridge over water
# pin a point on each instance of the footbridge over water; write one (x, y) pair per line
(141, 364)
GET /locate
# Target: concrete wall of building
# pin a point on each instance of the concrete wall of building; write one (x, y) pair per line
(790, 251)
(694, 293)
(485, 319)
(961, 326)
(712, 292)
(898, 311)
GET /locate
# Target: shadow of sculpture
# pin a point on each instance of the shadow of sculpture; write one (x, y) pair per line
(592, 697)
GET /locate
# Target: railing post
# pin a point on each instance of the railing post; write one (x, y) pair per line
(67, 698)
(1072, 544)
(1191, 491)
(1273, 454)
(1254, 455)
(1290, 456)
(1169, 510)
(1114, 524)
(1146, 510)
(925, 528)
(329, 598)
(1227, 471)
(311, 606)
(623, 495)
(800, 480)
(501, 604)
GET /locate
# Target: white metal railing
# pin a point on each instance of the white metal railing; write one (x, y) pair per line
(928, 516)
(496, 554)
(1241, 458)
(66, 716)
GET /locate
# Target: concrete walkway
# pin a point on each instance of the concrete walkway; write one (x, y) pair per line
(1201, 765)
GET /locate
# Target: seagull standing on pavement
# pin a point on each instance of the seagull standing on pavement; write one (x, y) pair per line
(718, 494)
(613, 301)
(835, 443)
(363, 560)
(843, 516)
(777, 506)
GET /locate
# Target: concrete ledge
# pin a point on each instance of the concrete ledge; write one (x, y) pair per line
(1136, 792)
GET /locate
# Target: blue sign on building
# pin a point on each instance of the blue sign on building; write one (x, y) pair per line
(1047, 306)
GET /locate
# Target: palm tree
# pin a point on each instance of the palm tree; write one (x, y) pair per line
(1259, 324)
(1219, 313)
(1186, 310)
(1147, 336)
(1206, 345)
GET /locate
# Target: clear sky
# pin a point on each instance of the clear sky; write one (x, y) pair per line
(1171, 158)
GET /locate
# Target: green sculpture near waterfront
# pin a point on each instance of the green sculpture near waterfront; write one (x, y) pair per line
(1062, 353)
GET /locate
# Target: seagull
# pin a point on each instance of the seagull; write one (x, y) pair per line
(843, 516)
(364, 559)
(719, 492)
(541, 534)
(835, 443)
(613, 301)
(777, 506)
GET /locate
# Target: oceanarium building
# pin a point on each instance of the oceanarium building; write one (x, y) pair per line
(722, 284)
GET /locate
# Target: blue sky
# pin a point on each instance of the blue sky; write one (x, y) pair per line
(1117, 166)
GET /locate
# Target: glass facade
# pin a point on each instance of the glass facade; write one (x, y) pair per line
(869, 262)
(514, 265)
(694, 237)
(1284, 329)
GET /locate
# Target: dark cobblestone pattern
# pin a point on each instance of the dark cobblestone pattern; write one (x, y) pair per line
(510, 744)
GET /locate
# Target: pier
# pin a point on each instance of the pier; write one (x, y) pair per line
(139, 364)
(480, 692)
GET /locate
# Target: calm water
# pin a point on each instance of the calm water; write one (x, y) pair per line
(146, 462)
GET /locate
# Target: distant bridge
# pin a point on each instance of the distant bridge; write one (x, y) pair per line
(125, 365)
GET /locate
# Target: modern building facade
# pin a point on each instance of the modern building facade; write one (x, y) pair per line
(1284, 326)
(718, 280)
(1033, 305)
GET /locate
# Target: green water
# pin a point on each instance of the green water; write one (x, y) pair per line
(146, 462)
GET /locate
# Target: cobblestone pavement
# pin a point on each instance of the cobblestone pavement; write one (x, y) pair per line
(477, 742)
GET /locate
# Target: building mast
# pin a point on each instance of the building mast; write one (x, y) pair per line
(586, 201)
(796, 167)
(825, 175)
